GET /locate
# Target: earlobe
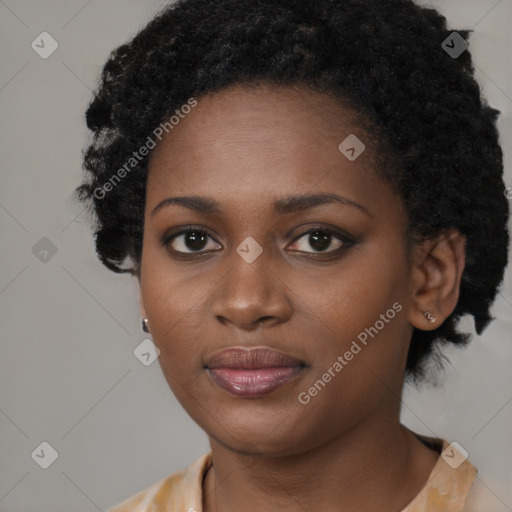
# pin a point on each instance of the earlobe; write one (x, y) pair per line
(436, 275)
(143, 314)
(144, 321)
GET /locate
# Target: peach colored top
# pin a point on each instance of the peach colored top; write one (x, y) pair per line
(446, 489)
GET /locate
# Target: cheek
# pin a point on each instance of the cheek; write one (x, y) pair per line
(171, 303)
(351, 296)
(357, 356)
(359, 314)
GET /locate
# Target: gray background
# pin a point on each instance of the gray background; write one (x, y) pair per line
(68, 375)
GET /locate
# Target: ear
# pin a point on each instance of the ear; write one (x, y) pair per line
(436, 275)
(143, 313)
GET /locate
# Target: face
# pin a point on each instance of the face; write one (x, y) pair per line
(253, 263)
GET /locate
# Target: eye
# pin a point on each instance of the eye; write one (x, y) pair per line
(188, 241)
(195, 241)
(320, 239)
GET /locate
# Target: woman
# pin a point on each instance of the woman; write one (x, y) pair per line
(311, 196)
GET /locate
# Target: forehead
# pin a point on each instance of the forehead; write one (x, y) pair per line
(259, 142)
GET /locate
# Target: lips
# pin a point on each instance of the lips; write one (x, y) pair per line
(252, 372)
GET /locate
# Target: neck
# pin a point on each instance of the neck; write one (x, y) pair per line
(375, 466)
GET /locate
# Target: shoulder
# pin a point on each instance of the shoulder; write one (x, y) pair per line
(179, 491)
(449, 482)
(455, 484)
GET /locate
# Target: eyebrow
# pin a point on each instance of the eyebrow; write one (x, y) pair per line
(283, 205)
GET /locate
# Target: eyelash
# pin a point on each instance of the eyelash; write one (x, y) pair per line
(345, 239)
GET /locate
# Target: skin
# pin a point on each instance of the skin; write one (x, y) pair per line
(246, 147)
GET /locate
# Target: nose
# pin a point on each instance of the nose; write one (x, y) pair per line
(251, 294)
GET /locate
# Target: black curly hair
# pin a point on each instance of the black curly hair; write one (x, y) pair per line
(436, 136)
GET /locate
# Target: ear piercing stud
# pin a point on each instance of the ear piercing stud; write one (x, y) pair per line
(428, 316)
(145, 327)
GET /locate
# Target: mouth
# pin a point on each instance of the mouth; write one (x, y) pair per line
(252, 372)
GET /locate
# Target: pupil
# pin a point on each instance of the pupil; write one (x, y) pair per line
(195, 240)
(319, 242)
